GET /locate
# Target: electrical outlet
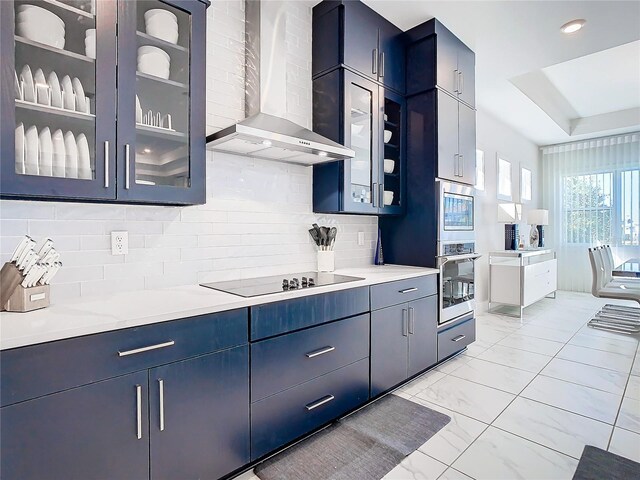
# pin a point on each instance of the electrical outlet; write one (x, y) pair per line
(361, 239)
(119, 243)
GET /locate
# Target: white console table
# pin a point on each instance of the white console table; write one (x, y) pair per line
(522, 277)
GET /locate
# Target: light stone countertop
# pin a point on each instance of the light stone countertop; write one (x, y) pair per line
(90, 315)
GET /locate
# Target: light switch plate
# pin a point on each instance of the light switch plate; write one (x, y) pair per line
(361, 239)
(119, 243)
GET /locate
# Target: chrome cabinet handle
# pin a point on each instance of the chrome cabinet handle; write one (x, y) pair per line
(322, 351)
(373, 194)
(145, 349)
(408, 290)
(412, 320)
(455, 164)
(461, 160)
(106, 164)
(161, 395)
(460, 83)
(374, 66)
(127, 166)
(456, 81)
(139, 411)
(381, 195)
(317, 403)
(381, 64)
(405, 323)
(458, 338)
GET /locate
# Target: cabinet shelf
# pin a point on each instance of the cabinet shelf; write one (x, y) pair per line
(160, 81)
(146, 39)
(44, 115)
(390, 124)
(67, 13)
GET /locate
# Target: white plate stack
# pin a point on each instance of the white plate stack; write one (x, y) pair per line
(40, 25)
(161, 24)
(154, 61)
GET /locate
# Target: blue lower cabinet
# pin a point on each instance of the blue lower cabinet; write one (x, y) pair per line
(199, 416)
(389, 344)
(281, 418)
(95, 431)
(423, 334)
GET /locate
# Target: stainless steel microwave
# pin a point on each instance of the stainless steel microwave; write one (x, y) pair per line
(455, 211)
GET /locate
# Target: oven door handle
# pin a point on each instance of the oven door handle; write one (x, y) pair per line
(469, 256)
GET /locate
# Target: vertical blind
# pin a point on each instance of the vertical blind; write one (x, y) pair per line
(592, 191)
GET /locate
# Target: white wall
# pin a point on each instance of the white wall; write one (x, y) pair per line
(257, 213)
(495, 137)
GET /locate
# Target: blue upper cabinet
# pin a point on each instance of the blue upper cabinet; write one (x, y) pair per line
(436, 57)
(349, 34)
(75, 127)
(357, 112)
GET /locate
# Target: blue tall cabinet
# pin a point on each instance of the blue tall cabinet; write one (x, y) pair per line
(358, 100)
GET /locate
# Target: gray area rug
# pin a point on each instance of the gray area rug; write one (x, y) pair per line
(597, 464)
(364, 446)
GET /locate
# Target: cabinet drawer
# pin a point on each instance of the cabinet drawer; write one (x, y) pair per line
(281, 317)
(401, 291)
(30, 372)
(281, 418)
(288, 360)
(454, 339)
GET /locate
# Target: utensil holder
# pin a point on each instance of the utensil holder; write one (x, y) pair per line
(326, 261)
(16, 298)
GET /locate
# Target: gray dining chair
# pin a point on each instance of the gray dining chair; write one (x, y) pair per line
(617, 318)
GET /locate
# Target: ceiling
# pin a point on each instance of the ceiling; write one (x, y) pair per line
(550, 86)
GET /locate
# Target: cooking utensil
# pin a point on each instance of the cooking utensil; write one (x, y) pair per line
(314, 234)
(25, 253)
(51, 272)
(324, 237)
(27, 259)
(332, 237)
(51, 257)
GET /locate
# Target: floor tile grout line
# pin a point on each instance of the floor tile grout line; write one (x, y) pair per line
(622, 400)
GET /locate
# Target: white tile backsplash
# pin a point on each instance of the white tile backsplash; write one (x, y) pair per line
(257, 213)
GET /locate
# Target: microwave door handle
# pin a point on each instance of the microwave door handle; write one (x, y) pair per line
(470, 256)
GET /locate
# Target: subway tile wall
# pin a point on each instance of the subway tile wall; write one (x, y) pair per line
(257, 213)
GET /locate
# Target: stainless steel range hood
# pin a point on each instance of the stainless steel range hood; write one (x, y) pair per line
(265, 133)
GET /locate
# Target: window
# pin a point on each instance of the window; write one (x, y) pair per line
(479, 170)
(525, 184)
(504, 179)
(602, 208)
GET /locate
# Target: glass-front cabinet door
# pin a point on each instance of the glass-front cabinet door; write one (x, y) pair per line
(361, 189)
(161, 110)
(58, 98)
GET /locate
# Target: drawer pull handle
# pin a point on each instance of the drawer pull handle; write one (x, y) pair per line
(405, 323)
(317, 403)
(322, 351)
(409, 290)
(458, 338)
(145, 349)
(161, 395)
(139, 411)
(412, 320)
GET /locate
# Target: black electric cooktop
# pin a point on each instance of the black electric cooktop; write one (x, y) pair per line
(253, 287)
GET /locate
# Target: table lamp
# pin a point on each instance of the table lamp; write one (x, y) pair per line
(510, 213)
(537, 219)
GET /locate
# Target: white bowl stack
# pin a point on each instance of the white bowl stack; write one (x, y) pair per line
(40, 25)
(90, 43)
(161, 24)
(154, 61)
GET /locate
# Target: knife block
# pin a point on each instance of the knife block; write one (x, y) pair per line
(16, 298)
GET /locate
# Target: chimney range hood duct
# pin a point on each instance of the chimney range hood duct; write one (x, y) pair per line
(265, 133)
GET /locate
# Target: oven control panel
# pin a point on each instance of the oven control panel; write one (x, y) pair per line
(463, 248)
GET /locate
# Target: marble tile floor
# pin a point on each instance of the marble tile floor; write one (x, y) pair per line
(527, 396)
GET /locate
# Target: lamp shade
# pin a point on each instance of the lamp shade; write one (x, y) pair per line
(509, 212)
(538, 217)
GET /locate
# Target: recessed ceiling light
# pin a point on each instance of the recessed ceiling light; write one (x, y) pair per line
(266, 143)
(147, 150)
(322, 154)
(573, 26)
